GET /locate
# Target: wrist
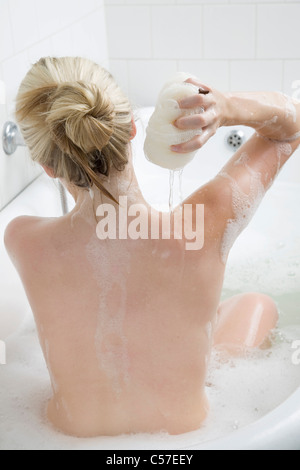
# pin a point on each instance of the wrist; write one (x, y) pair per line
(228, 110)
(245, 109)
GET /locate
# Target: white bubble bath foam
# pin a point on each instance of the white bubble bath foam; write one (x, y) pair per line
(255, 401)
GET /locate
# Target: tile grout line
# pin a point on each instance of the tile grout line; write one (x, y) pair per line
(50, 36)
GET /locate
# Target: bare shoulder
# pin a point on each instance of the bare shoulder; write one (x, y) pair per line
(18, 230)
(216, 196)
(23, 236)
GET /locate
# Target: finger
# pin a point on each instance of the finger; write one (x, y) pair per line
(197, 101)
(190, 122)
(197, 121)
(194, 144)
(207, 134)
(187, 147)
(201, 86)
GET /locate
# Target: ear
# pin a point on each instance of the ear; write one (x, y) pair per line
(133, 130)
(49, 171)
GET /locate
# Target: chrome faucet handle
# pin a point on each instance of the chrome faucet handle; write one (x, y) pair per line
(11, 138)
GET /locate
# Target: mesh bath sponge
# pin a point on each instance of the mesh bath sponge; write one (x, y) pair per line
(161, 133)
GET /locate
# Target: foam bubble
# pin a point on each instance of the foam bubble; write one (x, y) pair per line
(244, 207)
(259, 263)
(274, 120)
(47, 355)
(110, 341)
(291, 111)
(240, 391)
(285, 149)
(260, 369)
(293, 138)
(244, 159)
(269, 250)
(268, 123)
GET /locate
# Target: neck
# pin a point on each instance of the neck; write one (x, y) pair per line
(118, 183)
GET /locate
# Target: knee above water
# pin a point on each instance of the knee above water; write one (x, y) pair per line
(266, 307)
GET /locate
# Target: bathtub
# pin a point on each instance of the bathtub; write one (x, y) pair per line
(266, 258)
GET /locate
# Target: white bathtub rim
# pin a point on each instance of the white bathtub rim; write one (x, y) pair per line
(278, 430)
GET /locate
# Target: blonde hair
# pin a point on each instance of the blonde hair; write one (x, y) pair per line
(74, 119)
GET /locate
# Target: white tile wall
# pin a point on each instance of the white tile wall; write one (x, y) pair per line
(176, 32)
(129, 32)
(213, 72)
(29, 30)
(252, 75)
(292, 77)
(6, 35)
(230, 44)
(26, 32)
(145, 79)
(278, 32)
(229, 31)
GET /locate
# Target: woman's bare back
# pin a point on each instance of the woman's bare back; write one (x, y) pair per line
(126, 326)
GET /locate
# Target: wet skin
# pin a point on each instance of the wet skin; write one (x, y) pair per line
(127, 326)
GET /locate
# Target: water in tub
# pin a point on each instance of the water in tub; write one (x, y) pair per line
(266, 258)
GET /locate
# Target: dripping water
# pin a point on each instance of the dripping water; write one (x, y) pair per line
(172, 188)
(171, 196)
(180, 186)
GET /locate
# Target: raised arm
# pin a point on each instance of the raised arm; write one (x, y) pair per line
(273, 115)
(236, 192)
(276, 119)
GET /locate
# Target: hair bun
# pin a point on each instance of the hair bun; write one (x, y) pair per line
(80, 115)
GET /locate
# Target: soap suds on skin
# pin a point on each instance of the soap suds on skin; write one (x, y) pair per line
(274, 120)
(270, 122)
(66, 409)
(171, 195)
(110, 340)
(25, 387)
(58, 399)
(244, 207)
(229, 388)
(47, 354)
(209, 330)
(283, 149)
(292, 138)
(291, 111)
(244, 159)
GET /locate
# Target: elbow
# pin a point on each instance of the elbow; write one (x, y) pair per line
(293, 118)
